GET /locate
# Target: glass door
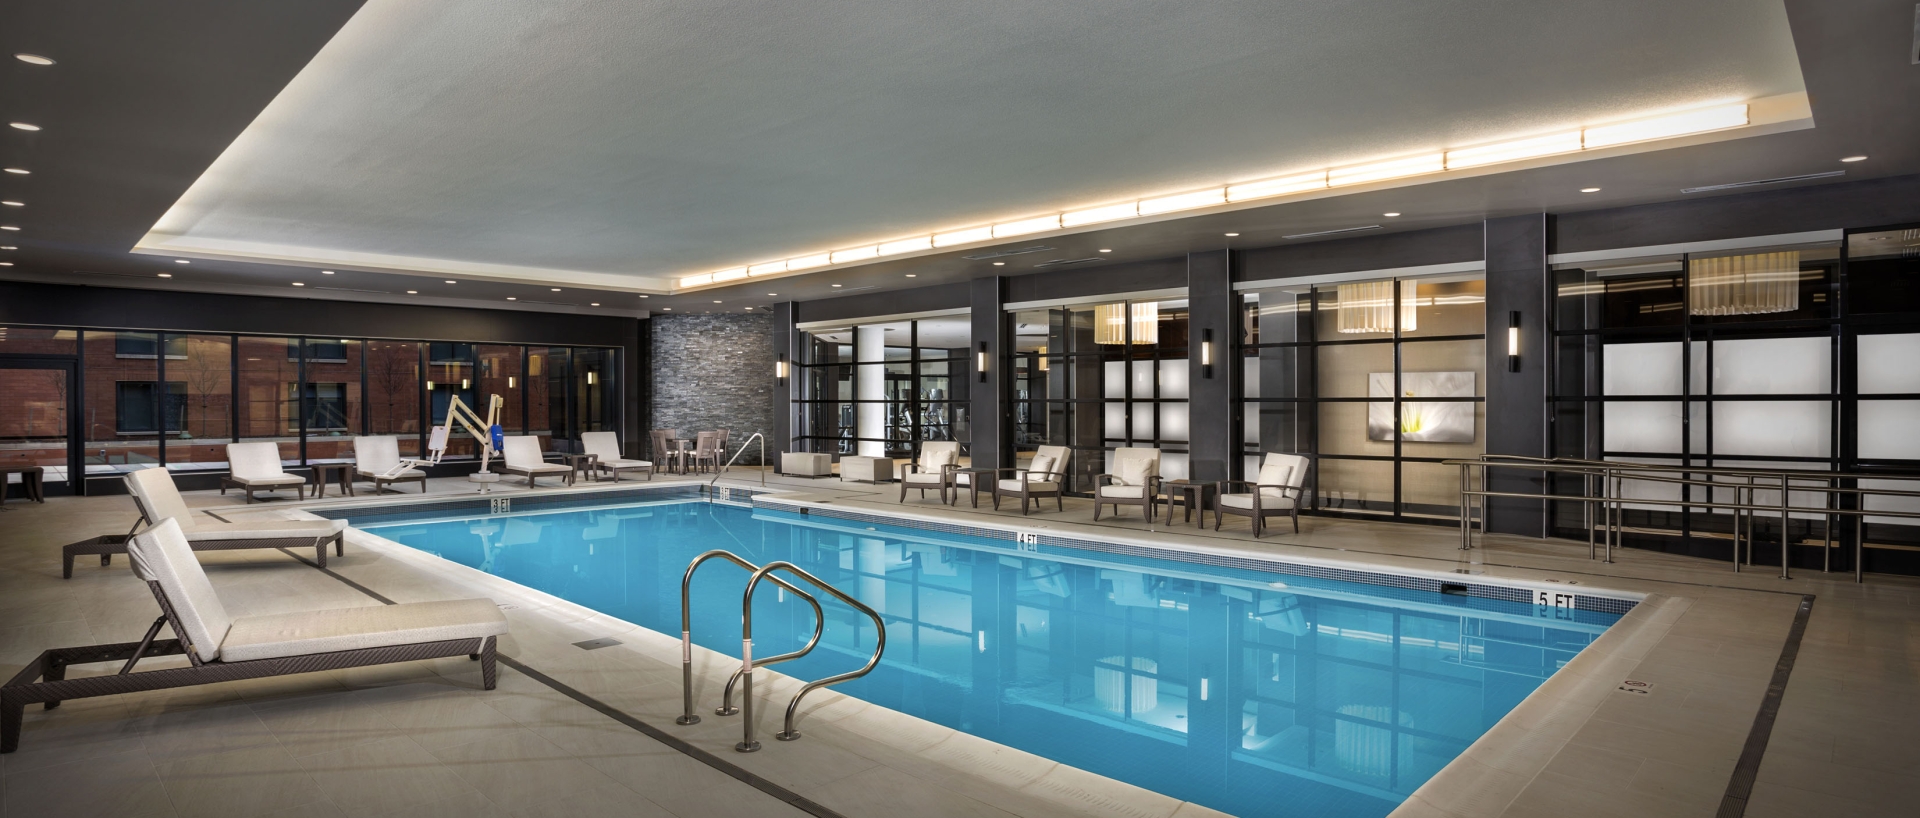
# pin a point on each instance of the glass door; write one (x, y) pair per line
(36, 426)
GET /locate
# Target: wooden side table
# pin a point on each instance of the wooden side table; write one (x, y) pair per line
(341, 473)
(32, 481)
(1192, 496)
(581, 463)
(975, 476)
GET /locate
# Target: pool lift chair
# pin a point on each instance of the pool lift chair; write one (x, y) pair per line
(488, 434)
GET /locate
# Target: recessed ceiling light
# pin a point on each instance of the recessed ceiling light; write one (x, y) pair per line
(8, 227)
(594, 304)
(556, 289)
(1589, 190)
(8, 247)
(716, 302)
(1389, 215)
(646, 296)
(6, 264)
(1106, 249)
(34, 59)
(20, 171)
(1853, 159)
(326, 272)
(996, 264)
(11, 203)
(836, 285)
(1229, 235)
(668, 309)
(451, 281)
(24, 126)
(298, 284)
(913, 275)
(166, 275)
(511, 298)
(181, 261)
(772, 293)
(413, 292)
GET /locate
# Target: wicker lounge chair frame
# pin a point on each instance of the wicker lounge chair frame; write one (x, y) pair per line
(44, 679)
(1148, 493)
(1028, 492)
(1292, 492)
(111, 544)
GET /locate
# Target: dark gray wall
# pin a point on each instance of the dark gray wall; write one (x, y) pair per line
(1445, 245)
(714, 372)
(1098, 279)
(780, 408)
(991, 409)
(1870, 203)
(892, 302)
(1517, 401)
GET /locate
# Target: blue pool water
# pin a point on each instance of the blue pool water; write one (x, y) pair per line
(1253, 693)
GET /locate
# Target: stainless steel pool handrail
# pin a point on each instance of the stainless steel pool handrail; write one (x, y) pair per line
(1612, 500)
(686, 633)
(747, 743)
(743, 450)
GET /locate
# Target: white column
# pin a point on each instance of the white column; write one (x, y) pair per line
(870, 384)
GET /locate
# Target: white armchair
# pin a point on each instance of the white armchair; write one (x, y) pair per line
(937, 458)
(1045, 476)
(1134, 481)
(1276, 492)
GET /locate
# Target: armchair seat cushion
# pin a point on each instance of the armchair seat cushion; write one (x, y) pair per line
(1016, 486)
(1123, 492)
(370, 626)
(921, 478)
(1270, 500)
(278, 480)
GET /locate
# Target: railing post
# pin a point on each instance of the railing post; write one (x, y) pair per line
(1786, 540)
(1465, 487)
(747, 743)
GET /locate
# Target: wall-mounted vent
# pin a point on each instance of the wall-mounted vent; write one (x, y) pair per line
(1332, 232)
(1061, 262)
(1756, 182)
(1452, 588)
(1038, 248)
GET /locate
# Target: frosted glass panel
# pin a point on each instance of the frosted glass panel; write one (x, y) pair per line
(1772, 428)
(1641, 489)
(870, 420)
(1653, 426)
(1889, 364)
(1142, 416)
(1173, 466)
(1250, 377)
(1642, 369)
(1173, 422)
(1773, 366)
(1883, 503)
(1887, 429)
(1142, 379)
(1116, 425)
(1173, 380)
(1114, 375)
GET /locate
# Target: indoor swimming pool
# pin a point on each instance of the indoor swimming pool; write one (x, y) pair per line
(1253, 692)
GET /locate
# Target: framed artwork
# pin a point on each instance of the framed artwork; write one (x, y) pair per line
(1422, 422)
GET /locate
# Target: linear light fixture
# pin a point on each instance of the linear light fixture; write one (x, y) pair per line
(1513, 341)
(980, 362)
(734, 274)
(1666, 126)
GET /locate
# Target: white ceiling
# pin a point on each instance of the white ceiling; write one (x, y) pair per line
(616, 144)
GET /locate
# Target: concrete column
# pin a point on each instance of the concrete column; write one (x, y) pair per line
(992, 411)
(870, 387)
(780, 437)
(1516, 254)
(1210, 405)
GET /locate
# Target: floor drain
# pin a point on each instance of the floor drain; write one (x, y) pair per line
(595, 644)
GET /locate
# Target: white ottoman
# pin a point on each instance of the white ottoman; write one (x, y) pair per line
(806, 464)
(870, 469)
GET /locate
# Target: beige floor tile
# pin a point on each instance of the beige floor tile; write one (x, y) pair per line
(124, 786)
(237, 784)
(883, 791)
(468, 805)
(384, 776)
(225, 728)
(688, 788)
(321, 724)
(518, 769)
(317, 809)
(446, 718)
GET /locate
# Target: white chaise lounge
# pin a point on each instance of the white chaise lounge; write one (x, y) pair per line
(377, 458)
(522, 456)
(156, 497)
(605, 446)
(256, 467)
(221, 647)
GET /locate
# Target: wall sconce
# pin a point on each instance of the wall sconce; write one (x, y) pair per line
(1513, 341)
(509, 381)
(466, 383)
(980, 362)
(1206, 353)
(780, 368)
(591, 378)
(429, 386)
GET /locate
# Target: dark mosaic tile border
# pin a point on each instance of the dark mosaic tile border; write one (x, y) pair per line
(1465, 587)
(483, 504)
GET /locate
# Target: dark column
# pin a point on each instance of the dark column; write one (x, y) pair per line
(990, 408)
(638, 394)
(1517, 401)
(780, 437)
(1210, 406)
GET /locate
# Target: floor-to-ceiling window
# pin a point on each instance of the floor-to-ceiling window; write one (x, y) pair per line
(881, 389)
(1098, 377)
(1787, 357)
(1377, 381)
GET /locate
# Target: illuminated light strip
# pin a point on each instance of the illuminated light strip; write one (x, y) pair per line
(1649, 129)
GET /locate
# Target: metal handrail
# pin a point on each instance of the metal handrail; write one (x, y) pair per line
(686, 633)
(1614, 474)
(743, 450)
(747, 743)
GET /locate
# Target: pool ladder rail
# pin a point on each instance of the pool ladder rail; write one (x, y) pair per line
(744, 675)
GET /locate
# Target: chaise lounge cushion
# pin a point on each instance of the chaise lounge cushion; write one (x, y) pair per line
(371, 626)
(159, 499)
(258, 464)
(277, 529)
(607, 446)
(1127, 492)
(1270, 500)
(522, 455)
(375, 455)
(161, 554)
(1015, 486)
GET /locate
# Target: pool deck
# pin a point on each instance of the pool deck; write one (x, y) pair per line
(421, 739)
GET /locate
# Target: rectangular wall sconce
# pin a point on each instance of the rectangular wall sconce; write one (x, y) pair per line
(780, 368)
(1206, 353)
(1513, 341)
(591, 378)
(509, 381)
(980, 362)
(429, 386)
(466, 383)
